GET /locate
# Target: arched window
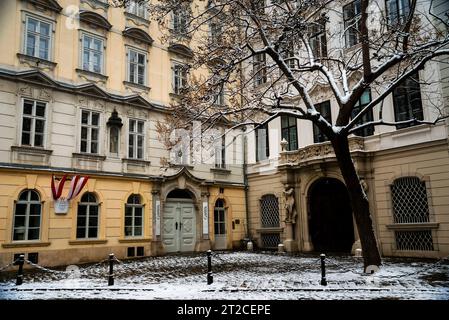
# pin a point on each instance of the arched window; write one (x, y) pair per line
(87, 220)
(134, 216)
(27, 216)
(219, 217)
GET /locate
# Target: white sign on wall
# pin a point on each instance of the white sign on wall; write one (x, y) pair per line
(205, 218)
(158, 218)
(61, 206)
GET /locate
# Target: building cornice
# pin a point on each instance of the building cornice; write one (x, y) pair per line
(37, 77)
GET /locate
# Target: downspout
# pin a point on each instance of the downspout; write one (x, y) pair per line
(245, 182)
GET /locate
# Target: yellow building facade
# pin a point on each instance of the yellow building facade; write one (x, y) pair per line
(83, 86)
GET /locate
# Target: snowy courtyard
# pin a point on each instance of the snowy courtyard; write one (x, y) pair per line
(236, 275)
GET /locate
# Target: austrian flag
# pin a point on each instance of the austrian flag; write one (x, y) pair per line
(76, 185)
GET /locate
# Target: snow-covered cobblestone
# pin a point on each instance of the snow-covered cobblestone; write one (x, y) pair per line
(237, 275)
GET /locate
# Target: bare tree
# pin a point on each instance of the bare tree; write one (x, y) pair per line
(266, 58)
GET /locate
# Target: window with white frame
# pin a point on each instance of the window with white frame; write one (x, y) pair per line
(137, 64)
(38, 36)
(90, 128)
(87, 220)
(260, 69)
(220, 153)
(133, 216)
(138, 8)
(318, 41)
(179, 77)
(351, 17)
(27, 216)
(136, 139)
(33, 123)
(397, 11)
(93, 53)
(262, 143)
(288, 53)
(180, 21)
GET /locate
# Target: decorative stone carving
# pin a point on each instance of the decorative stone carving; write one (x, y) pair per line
(290, 206)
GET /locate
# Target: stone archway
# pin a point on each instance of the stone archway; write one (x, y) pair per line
(330, 216)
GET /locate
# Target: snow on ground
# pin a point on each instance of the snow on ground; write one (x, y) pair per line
(237, 275)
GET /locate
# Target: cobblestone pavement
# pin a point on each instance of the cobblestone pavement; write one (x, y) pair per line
(237, 275)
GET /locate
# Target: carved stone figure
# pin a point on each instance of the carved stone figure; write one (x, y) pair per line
(290, 207)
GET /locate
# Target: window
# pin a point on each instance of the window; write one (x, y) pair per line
(397, 11)
(262, 146)
(351, 17)
(410, 205)
(269, 211)
(137, 8)
(38, 38)
(289, 55)
(409, 196)
(220, 153)
(364, 100)
(136, 139)
(93, 49)
(324, 109)
(179, 78)
(219, 98)
(180, 21)
(137, 63)
(407, 101)
(289, 132)
(89, 131)
(114, 138)
(318, 41)
(219, 217)
(259, 69)
(33, 123)
(27, 216)
(87, 219)
(133, 216)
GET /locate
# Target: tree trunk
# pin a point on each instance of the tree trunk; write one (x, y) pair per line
(359, 202)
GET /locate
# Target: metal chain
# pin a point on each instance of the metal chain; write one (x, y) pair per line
(45, 269)
(8, 265)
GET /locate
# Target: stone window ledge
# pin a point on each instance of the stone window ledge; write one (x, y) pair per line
(187, 166)
(29, 149)
(91, 74)
(136, 161)
(136, 85)
(137, 19)
(270, 230)
(220, 170)
(134, 240)
(87, 241)
(25, 244)
(89, 156)
(36, 62)
(413, 226)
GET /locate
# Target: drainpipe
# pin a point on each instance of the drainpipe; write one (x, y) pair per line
(245, 182)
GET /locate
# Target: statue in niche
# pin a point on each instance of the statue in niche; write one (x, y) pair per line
(290, 207)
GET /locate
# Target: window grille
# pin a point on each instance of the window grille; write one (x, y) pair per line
(414, 240)
(269, 211)
(270, 240)
(409, 200)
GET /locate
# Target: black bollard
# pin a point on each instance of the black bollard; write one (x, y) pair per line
(323, 270)
(210, 278)
(111, 270)
(19, 279)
